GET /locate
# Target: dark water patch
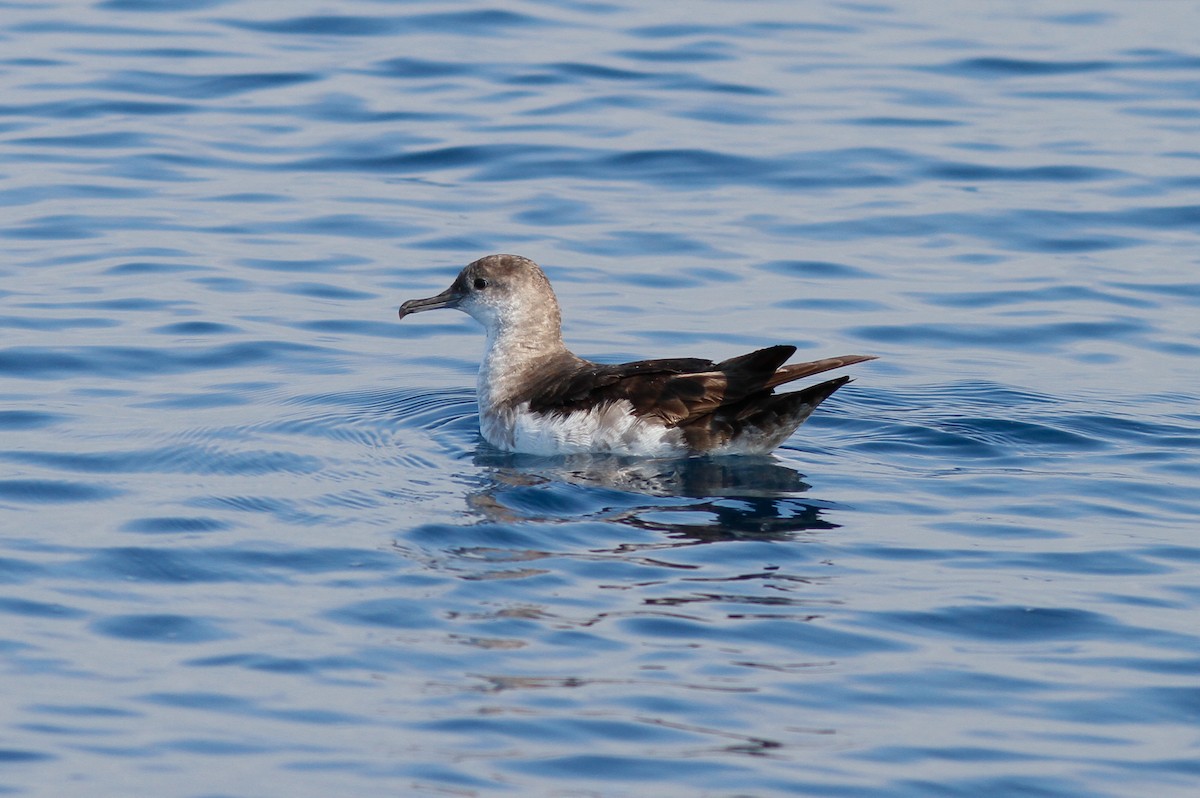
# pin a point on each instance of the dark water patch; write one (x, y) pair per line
(169, 525)
(192, 87)
(455, 157)
(38, 609)
(228, 285)
(481, 22)
(154, 53)
(466, 243)
(831, 305)
(901, 121)
(1187, 293)
(76, 226)
(691, 53)
(312, 560)
(151, 267)
(993, 529)
(965, 754)
(325, 291)
(82, 711)
(1104, 563)
(1166, 217)
(567, 71)
(30, 419)
(961, 394)
(1182, 554)
(16, 571)
(85, 108)
(977, 421)
(250, 197)
(21, 755)
(691, 168)
(127, 303)
(268, 663)
(142, 362)
(192, 328)
(108, 140)
(292, 512)
(416, 68)
(344, 224)
(1027, 337)
(219, 747)
(391, 613)
(1023, 435)
(238, 706)
(1129, 706)
(798, 633)
(160, 628)
(157, 565)
(1036, 786)
(178, 564)
(609, 768)
(1145, 432)
(325, 25)
(83, 28)
(814, 269)
(720, 33)
(497, 535)
(1020, 231)
(1053, 174)
(341, 109)
(375, 329)
(1159, 58)
(25, 196)
(1004, 623)
(1080, 18)
(1070, 95)
(1061, 293)
(51, 228)
(161, 6)
(642, 243)
(675, 168)
(675, 31)
(598, 104)
(729, 114)
(565, 730)
(46, 491)
(32, 62)
(197, 401)
(998, 67)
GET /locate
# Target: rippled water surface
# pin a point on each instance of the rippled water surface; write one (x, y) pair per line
(251, 543)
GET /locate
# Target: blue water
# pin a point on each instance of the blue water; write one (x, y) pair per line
(252, 545)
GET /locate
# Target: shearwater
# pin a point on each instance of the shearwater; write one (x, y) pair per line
(536, 396)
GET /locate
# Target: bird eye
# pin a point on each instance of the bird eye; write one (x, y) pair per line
(480, 283)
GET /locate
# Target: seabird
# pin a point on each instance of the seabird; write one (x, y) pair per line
(536, 396)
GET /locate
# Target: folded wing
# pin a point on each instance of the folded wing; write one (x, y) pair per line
(687, 392)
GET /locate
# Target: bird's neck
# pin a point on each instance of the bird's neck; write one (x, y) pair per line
(514, 354)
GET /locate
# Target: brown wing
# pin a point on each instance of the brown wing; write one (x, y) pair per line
(680, 391)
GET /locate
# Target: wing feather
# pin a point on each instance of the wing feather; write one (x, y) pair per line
(679, 391)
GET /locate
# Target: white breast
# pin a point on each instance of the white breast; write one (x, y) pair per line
(612, 428)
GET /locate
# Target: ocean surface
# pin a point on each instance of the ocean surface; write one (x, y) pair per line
(251, 543)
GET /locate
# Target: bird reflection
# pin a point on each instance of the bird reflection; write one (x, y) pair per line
(695, 499)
